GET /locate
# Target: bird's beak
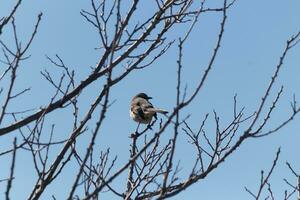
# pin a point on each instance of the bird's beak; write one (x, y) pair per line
(149, 97)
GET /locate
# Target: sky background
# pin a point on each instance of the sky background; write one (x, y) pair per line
(254, 39)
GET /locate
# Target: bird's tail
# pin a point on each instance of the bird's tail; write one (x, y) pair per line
(157, 110)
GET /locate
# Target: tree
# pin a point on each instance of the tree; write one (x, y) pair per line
(129, 42)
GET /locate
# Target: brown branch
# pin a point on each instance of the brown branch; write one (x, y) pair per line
(176, 125)
(12, 169)
(5, 20)
(289, 44)
(264, 180)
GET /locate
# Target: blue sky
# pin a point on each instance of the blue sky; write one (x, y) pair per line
(255, 36)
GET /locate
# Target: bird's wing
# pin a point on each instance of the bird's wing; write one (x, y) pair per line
(139, 107)
(148, 108)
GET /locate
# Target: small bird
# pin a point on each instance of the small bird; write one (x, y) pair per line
(142, 111)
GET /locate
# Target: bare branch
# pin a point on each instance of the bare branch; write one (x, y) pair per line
(12, 168)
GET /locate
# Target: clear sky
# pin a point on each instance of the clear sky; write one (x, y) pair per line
(255, 37)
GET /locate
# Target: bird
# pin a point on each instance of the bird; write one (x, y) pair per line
(142, 111)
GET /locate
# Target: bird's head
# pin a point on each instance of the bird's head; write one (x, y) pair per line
(143, 95)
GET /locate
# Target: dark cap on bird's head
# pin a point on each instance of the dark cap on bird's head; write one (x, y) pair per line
(143, 95)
